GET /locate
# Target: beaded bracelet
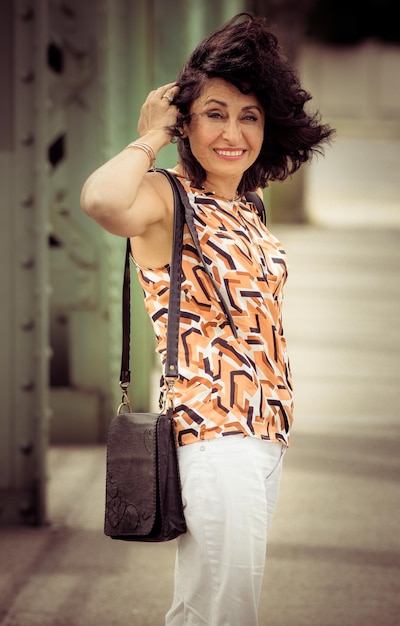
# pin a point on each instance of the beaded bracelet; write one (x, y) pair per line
(147, 149)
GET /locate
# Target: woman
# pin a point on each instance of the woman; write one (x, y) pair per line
(238, 114)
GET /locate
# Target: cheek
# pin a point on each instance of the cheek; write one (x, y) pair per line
(200, 143)
(257, 142)
(200, 136)
(258, 136)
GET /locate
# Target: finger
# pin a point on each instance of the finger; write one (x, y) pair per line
(158, 93)
(170, 94)
(166, 87)
(167, 96)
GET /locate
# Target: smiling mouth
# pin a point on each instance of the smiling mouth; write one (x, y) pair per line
(230, 153)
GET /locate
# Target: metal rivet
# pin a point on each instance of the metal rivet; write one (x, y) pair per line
(26, 14)
(28, 385)
(28, 201)
(28, 76)
(26, 448)
(28, 139)
(28, 324)
(28, 263)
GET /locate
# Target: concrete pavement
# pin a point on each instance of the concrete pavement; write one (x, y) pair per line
(334, 549)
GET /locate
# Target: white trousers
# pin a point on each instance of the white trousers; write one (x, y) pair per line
(230, 488)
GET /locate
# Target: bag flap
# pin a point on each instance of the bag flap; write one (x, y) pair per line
(131, 479)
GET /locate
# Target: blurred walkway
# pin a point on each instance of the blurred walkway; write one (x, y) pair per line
(334, 550)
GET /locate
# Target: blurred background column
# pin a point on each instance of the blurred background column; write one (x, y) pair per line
(288, 21)
(347, 53)
(24, 267)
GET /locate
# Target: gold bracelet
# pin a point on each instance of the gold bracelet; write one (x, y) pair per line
(147, 149)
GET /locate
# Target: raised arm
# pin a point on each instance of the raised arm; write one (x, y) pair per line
(121, 195)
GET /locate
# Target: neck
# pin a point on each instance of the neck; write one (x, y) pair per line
(227, 191)
(220, 195)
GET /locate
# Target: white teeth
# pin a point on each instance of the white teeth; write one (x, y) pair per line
(229, 152)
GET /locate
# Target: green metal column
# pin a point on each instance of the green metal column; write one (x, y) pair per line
(25, 351)
(41, 258)
(80, 381)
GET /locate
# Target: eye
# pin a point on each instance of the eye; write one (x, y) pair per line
(250, 118)
(215, 115)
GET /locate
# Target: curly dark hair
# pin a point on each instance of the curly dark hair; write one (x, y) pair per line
(244, 53)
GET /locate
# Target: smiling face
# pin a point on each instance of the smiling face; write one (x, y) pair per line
(225, 132)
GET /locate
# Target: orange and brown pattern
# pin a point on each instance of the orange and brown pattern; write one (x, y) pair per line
(227, 384)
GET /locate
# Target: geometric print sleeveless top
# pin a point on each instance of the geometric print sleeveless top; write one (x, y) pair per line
(227, 384)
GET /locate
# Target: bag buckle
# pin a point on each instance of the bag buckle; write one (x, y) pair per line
(169, 394)
(125, 401)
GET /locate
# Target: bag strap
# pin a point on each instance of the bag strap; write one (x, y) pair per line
(171, 365)
(189, 213)
(189, 217)
(252, 196)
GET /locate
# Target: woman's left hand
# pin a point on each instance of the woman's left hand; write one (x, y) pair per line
(158, 112)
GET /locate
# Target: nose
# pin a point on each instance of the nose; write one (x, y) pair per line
(232, 131)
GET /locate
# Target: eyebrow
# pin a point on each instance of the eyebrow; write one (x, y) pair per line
(224, 104)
